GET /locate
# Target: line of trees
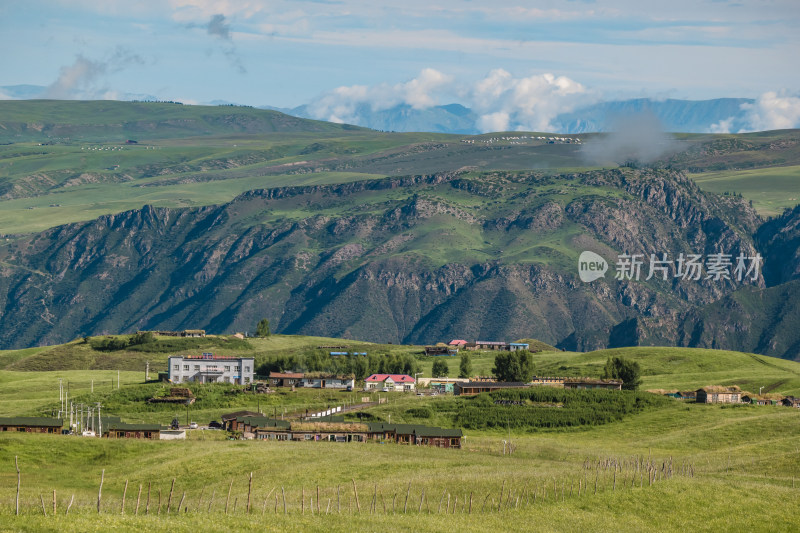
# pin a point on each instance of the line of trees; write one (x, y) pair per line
(360, 366)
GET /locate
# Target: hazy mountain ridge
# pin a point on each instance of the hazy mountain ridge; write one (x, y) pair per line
(686, 116)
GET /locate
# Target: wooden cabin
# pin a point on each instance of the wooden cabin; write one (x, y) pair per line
(31, 424)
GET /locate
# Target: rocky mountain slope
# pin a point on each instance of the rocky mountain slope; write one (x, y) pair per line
(412, 259)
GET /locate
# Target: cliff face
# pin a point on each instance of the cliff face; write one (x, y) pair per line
(413, 259)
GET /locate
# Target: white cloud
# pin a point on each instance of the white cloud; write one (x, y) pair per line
(343, 104)
(4, 96)
(529, 103)
(723, 126)
(772, 111)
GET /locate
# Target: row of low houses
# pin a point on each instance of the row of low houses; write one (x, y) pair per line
(732, 394)
(469, 388)
(109, 427)
(375, 382)
(335, 429)
(488, 345)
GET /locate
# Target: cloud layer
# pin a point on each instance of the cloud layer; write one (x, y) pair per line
(502, 101)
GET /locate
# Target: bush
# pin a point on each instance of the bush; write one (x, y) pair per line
(549, 407)
(420, 412)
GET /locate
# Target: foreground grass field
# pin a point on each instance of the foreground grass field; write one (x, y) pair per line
(733, 468)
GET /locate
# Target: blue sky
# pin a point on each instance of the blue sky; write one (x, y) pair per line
(546, 56)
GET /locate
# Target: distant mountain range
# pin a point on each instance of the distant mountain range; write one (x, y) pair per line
(687, 116)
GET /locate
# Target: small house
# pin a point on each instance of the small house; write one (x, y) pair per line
(719, 394)
(441, 350)
(471, 388)
(229, 420)
(123, 430)
(392, 382)
(327, 381)
(285, 379)
(589, 383)
(31, 424)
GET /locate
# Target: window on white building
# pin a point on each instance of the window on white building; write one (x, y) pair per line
(247, 369)
(197, 368)
(186, 367)
(227, 368)
(176, 367)
(237, 368)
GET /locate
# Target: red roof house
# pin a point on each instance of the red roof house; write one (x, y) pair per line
(393, 382)
(458, 342)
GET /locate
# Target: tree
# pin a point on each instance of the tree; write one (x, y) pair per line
(142, 337)
(262, 329)
(623, 369)
(513, 366)
(465, 366)
(440, 369)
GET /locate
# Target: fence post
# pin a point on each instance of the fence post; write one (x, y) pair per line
(124, 492)
(100, 490)
(16, 464)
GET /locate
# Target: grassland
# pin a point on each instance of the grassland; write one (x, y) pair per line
(743, 460)
(733, 466)
(770, 189)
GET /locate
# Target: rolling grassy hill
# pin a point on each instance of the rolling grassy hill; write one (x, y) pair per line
(733, 467)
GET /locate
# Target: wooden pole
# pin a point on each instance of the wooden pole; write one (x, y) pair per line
(147, 505)
(54, 502)
(159, 502)
(439, 510)
(338, 499)
(470, 503)
(180, 505)
(200, 499)
(138, 499)
(249, 490)
(124, 492)
(265, 501)
(500, 504)
(70, 504)
(303, 501)
(317, 498)
(355, 492)
(284, 500)
(228, 499)
(100, 490)
(408, 491)
(44, 511)
(211, 501)
(421, 496)
(169, 500)
(16, 464)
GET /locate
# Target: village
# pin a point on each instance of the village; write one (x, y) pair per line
(330, 425)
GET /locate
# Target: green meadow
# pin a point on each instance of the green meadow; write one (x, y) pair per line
(771, 189)
(670, 465)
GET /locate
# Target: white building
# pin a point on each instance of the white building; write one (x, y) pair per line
(210, 368)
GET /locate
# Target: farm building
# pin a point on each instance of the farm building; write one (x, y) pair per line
(588, 383)
(791, 401)
(719, 394)
(548, 381)
(458, 342)
(210, 368)
(327, 381)
(415, 434)
(496, 345)
(392, 382)
(471, 388)
(122, 430)
(285, 379)
(31, 424)
(229, 420)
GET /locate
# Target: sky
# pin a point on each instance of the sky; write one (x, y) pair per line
(514, 62)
